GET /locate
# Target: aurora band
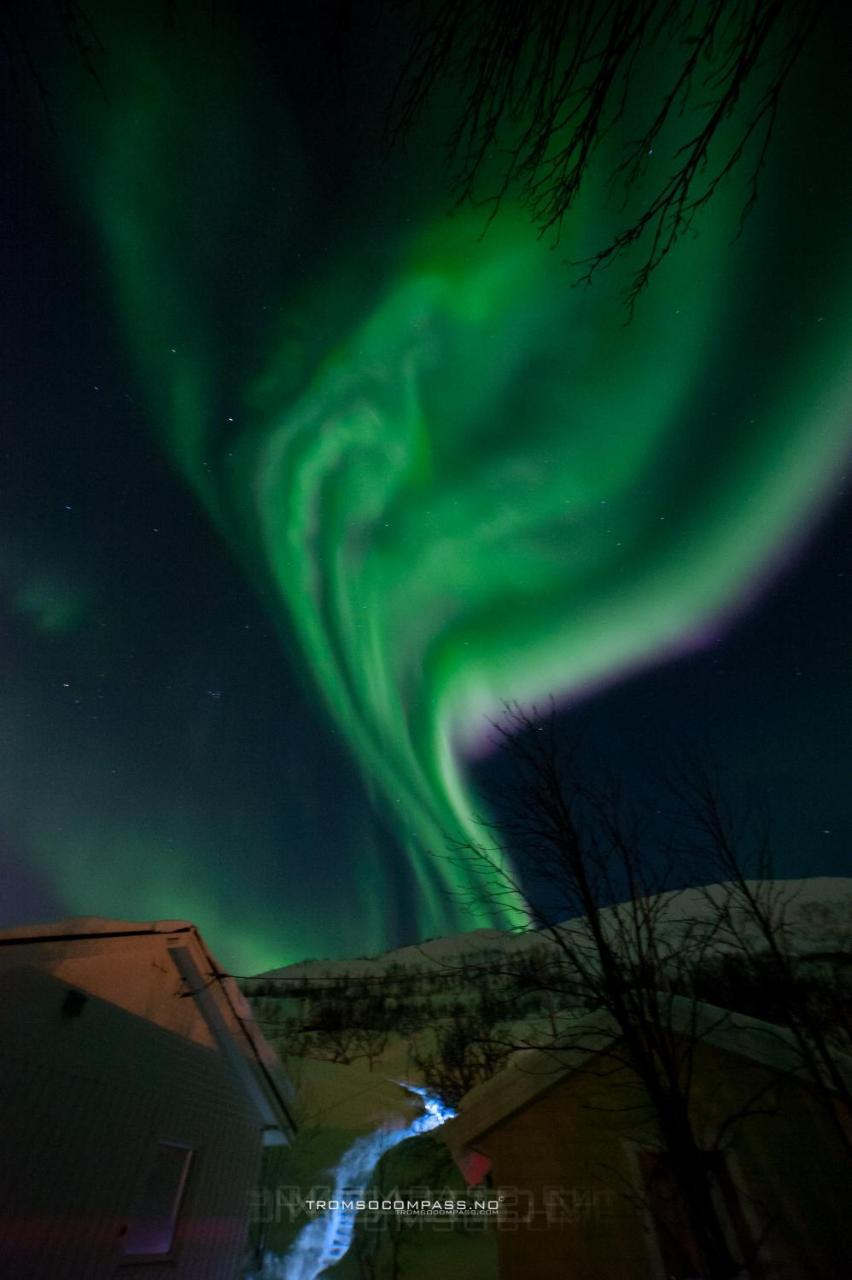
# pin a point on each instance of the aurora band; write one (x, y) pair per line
(456, 479)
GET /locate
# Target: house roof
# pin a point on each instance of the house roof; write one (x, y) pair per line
(79, 927)
(531, 1072)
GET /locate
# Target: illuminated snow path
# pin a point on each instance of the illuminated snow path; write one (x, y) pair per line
(324, 1241)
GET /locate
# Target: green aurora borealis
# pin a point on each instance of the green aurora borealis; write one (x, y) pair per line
(455, 479)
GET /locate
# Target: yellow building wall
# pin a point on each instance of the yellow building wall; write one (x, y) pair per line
(567, 1165)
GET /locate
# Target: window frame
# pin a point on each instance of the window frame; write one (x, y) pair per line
(731, 1201)
(127, 1258)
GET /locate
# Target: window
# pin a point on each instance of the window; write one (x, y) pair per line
(678, 1250)
(151, 1229)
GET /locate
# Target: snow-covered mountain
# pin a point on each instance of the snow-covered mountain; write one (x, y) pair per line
(817, 914)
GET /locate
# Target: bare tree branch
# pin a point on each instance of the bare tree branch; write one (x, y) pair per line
(544, 84)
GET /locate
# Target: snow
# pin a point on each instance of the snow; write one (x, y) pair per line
(819, 910)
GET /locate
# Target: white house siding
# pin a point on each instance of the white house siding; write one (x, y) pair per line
(68, 1169)
(83, 1101)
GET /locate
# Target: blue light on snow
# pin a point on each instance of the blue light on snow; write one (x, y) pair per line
(324, 1241)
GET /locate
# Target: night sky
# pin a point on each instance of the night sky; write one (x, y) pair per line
(302, 478)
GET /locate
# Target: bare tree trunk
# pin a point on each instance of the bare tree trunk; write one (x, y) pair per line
(576, 841)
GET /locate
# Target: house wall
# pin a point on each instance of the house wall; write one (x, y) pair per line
(566, 1160)
(134, 972)
(83, 1101)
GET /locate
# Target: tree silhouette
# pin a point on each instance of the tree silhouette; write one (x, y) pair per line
(693, 88)
(629, 944)
(17, 46)
(543, 84)
(754, 920)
